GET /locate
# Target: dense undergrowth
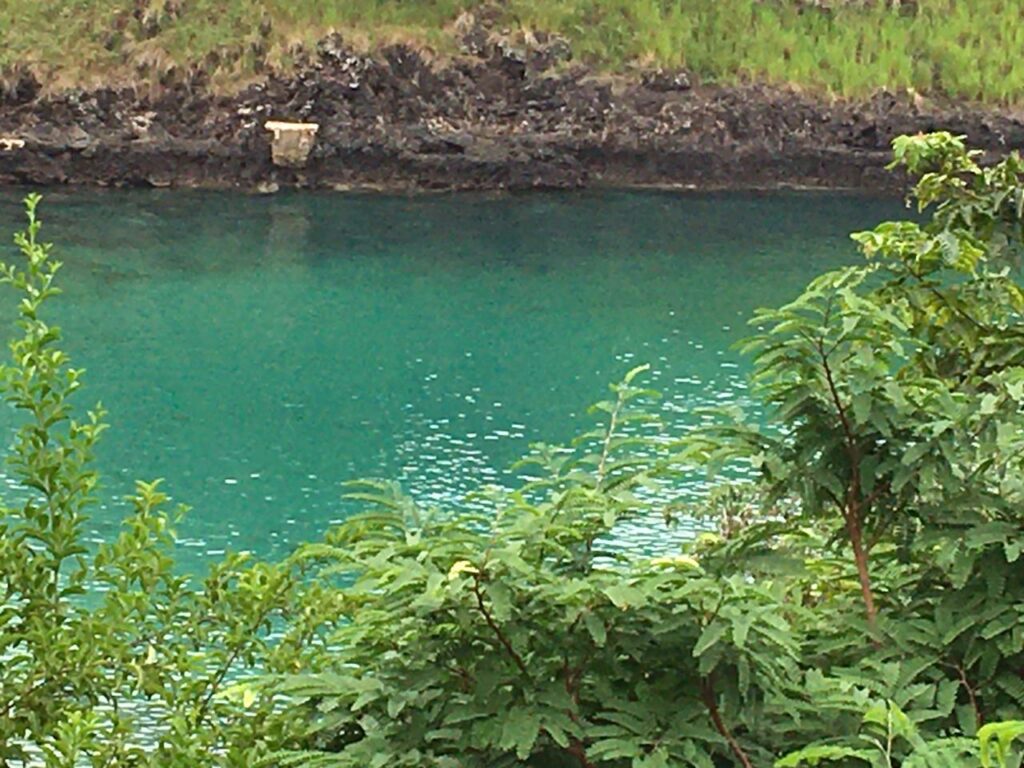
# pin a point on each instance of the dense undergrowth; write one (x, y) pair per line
(859, 602)
(960, 50)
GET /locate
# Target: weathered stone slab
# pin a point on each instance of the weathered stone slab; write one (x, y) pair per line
(291, 143)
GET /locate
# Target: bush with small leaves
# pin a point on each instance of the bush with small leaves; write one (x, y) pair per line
(856, 601)
(862, 603)
(94, 641)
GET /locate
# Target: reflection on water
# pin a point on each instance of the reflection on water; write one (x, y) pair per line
(256, 352)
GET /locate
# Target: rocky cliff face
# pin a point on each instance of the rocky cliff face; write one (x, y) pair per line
(507, 114)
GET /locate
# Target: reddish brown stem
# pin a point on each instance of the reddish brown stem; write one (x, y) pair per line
(498, 634)
(577, 750)
(854, 504)
(860, 557)
(570, 676)
(979, 718)
(707, 691)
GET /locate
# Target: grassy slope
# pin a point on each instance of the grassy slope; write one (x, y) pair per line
(964, 49)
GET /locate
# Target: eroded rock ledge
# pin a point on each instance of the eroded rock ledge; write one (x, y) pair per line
(503, 116)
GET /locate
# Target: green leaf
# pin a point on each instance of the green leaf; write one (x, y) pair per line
(624, 596)
(501, 600)
(614, 748)
(520, 731)
(989, 403)
(995, 739)
(818, 754)
(709, 637)
(659, 758)
(741, 628)
(596, 629)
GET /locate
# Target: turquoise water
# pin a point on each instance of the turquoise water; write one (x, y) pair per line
(258, 351)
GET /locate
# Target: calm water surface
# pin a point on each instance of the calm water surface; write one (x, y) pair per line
(258, 351)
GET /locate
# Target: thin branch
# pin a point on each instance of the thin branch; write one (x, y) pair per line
(576, 750)
(869, 502)
(236, 652)
(844, 419)
(979, 717)
(609, 434)
(571, 678)
(945, 300)
(876, 493)
(707, 693)
(854, 506)
(512, 652)
(463, 675)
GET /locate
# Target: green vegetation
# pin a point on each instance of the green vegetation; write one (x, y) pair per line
(85, 633)
(860, 603)
(113, 42)
(857, 603)
(942, 47)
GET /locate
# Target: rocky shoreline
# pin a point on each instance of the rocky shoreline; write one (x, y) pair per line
(498, 117)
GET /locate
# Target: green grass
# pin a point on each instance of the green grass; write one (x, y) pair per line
(964, 50)
(75, 42)
(958, 49)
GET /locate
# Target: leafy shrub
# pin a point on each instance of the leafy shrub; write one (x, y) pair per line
(858, 602)
(862, 602)
(91, 642)
(521, 636)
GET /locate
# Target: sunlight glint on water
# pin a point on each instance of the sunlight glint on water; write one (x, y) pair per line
(258, 351)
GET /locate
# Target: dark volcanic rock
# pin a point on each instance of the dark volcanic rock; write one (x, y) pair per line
(21, 88)
(664, 80)
(512, 114)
